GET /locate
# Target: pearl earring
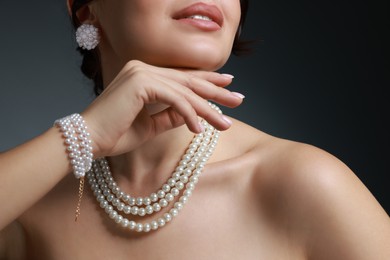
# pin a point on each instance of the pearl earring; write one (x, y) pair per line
(87, 36)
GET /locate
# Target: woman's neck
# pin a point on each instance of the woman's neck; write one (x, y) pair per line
(153, 162)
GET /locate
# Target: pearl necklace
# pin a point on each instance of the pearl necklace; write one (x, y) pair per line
(115, 202)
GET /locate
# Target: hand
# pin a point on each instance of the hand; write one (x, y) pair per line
(118, 120)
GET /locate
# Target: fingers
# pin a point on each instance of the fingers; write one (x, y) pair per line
(209, 91)
(202, 83)
(166, 120)
(218, 79)
(186, 91)
(185, 103)
(174, 96)
(181, 75)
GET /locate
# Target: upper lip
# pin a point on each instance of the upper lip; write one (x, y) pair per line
(210, 11)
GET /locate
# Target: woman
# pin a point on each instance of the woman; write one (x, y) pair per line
(258, 197)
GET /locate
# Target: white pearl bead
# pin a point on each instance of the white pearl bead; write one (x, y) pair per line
(190, 186)
(161, 194)
(118, 219)
(126, 198)
(134, 210)
(109, 209)
(161, 222)
(169, 197)
(191, 166)
(100, 198)
(179, 169)
(183, 162)
(147, 227)
(193, 146)
(141, 212)
(115, 190)
(166, 188)
(127, 209)
(154, 197)
(171, 182)
(113, 214)
(132, 225)
(167, 217)
(125, 223)
(175, 191)
(163, 203)
(103, 204)
(139, 227)
(194, 179)
(147, 201)
(115, 202)
(110, 197)
(187, 193)
(139, 201)
(184, 179)
(178, 205)
(183, 199)
(174, 212)
(149, 209)
(120, 206)
(132, 201)
(179, 185)
(154, 225)
(176, 176)
(186, 157)
(156, 207)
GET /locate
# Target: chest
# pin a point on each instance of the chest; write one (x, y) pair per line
(215, 223)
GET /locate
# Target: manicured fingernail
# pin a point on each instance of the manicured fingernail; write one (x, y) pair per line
(226, 119)
(238, 95)
(228, 76)
(201, 127)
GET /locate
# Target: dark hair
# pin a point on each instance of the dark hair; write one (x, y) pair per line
(91, 65)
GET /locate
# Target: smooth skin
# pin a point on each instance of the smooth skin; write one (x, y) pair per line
(259, 197)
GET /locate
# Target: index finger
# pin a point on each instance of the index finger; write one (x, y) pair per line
(218, 79)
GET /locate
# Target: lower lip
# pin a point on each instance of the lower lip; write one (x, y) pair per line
(201, 24)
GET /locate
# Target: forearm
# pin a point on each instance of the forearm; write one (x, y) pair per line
(29, 171)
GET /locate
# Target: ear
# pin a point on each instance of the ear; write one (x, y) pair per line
(69, 4)
(84, 14)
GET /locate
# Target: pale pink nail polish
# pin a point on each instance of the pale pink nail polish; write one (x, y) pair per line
(201, 127)
(228, 76)
(238, 95)
(226, 119)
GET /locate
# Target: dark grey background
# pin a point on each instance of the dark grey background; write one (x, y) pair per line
(317, 75)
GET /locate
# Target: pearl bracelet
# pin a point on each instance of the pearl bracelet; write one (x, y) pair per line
(78, 142)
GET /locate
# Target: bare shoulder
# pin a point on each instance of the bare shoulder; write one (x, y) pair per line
(317, 200)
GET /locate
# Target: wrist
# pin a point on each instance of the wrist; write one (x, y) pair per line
(78, 143)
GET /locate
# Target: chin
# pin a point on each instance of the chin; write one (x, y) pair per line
(199, 59)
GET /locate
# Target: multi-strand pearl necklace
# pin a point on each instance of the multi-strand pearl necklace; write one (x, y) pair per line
(117, 204)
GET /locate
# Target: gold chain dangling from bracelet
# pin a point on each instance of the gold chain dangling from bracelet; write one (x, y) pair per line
(81, 191)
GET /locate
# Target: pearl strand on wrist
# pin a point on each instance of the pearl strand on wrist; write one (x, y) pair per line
(79, 148)
(78, 143)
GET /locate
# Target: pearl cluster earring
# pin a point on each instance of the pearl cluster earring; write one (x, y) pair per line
(87, 36)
